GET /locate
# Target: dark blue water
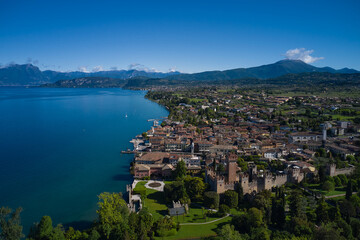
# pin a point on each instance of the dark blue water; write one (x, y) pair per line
(60, 148)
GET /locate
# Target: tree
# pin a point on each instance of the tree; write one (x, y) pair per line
(231, 198)
(322, 152)
(278, 212)
(165, 226)
(297, 204)
(240, 192)
(260, 233)
(242, 164)
(347, 209)
(255, 217)
(228, 232)
(195, 187)
(322, 210)
(337, 181)
(45, 231)
(112, 212)
(322, 174)
(180, 170)
(300, 226)
(348, 190)
(71, 234)
(176, 191)
(10, 224)
(211, 200)
(146, 222)
(355, 226)
(94, 235)
(328, 186)
(326, 232)
(344, 179)
(57, 233)
(224, 209)
(44, 228)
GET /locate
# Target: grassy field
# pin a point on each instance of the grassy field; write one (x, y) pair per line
(154, 201)
(198, 231)
(317, 188)
(342, 118)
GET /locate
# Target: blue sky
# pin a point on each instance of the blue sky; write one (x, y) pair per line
(189, 36)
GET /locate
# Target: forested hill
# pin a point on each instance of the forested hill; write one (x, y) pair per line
(302, 79)
(273, 70)
(88, 82)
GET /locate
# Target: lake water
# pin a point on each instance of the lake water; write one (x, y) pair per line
(60, 148)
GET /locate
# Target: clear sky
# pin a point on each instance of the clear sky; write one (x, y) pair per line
(191, 36)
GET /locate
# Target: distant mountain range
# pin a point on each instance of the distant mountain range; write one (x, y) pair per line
(27, 74)
(30, 75)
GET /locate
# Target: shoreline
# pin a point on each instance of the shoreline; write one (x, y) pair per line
(134, 151)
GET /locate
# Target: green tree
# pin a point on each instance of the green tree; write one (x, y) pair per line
(300, 227)
(349, 190)
(112, 212)
(260, 233)
(10, 224)
(228, 232)
(195, 187)
(71, 234)
(297, 204)
(146, 222)
(355, 226)
(240, 192)
(328, 186)
(211, 200)
(326, 232)
(57, 233)
(344, 179)
(224, 209)
(347, 209)
(278, 212)
(322, 210)
(176, 191)
(337, 181)
(231, 198)
(94, 235)
(255, 217)
(44, 228)
(180, 170)
(242, 164)
(165, 226)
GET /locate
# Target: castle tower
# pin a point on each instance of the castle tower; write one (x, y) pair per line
(231, 167)
(331, 169)
(268, 182)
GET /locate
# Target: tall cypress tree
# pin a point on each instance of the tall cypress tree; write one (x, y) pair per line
(348, 190)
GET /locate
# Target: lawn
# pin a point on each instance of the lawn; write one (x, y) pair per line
(342, 118)
(317, 188)
(154, 201)
(198, 231)
(195, 215)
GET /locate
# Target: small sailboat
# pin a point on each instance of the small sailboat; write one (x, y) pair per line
(126, 115)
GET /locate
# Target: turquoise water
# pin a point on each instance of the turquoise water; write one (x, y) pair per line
(60, 148)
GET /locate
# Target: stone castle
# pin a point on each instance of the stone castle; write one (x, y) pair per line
(251, 181)
(332, 171)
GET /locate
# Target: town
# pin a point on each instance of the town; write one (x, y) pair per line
(214, 130)
(247, 142)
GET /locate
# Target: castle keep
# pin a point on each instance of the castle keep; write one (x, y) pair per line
(251, 181)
